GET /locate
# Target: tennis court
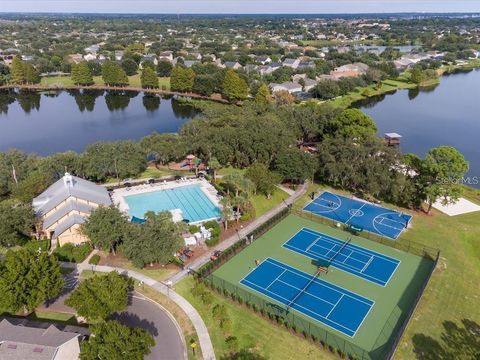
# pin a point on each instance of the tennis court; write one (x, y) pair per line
(333, 306)
(359, 261)
(359, 214)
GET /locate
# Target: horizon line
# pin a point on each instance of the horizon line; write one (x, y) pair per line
(231, 13)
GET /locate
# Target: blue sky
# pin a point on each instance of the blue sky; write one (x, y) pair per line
(239, 6)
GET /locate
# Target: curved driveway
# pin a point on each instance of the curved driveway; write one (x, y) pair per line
(144, 313)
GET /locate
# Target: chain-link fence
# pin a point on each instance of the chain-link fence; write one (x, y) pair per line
(391, 332)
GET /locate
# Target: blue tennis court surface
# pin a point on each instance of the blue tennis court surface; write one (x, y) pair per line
(364, 263)
(333, 306)
(369, 217)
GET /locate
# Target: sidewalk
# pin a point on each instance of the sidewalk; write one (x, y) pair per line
(241, 234)
(200, 327)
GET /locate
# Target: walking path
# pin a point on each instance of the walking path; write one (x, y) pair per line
(197, 263)
(200, 327)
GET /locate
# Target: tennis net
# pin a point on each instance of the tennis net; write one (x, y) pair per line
(339, 251)
(305, 288)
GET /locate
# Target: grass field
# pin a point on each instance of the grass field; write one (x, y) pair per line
(252, 331)
(122, 262)
(262, 204)
(397, 297)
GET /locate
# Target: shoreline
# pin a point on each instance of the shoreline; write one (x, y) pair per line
(43, 87)
(393, 85)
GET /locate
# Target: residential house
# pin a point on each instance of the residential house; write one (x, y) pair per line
(290, 86)
(273, 66)
(234, 65)
(92, 49)
(89, 57)
(166, 55)
(350, 70)
(27, 58)
(307, 64)
(151, 58)
(20, 342)
(297, 77)
(263, 60)
(119, 55)
(75, 58)
(251, 67)
(190, 63)
(64, 206)
(309, 84)
(292, 63)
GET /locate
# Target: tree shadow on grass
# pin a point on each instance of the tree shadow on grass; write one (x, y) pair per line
(456, 342)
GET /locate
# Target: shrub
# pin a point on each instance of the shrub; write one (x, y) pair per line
(232, 343)
(72, 253)
(219, 311)
(192, 229)
(226, 324)
(199, 289)
(212, 241)
(94, 260)
(207, 298)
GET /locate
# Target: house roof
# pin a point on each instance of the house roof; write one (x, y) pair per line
(290, 61)
(74, 219)
(231, 64)
(71, 205)
(69, 186)
(289, 85)
(23, 342)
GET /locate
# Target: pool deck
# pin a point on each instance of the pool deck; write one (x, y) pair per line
(118, 195)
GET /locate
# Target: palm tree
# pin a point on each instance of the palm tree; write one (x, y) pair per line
(227, 211)
(214, 165)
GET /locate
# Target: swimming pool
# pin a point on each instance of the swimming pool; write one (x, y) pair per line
(190, 199)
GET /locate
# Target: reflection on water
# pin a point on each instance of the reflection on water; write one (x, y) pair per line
(45, 122)
(447, 114)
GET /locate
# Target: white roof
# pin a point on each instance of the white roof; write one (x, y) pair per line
(70, 186)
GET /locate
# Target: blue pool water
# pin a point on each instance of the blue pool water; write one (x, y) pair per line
(195, 205)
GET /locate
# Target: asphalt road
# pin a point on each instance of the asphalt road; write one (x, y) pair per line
(143, 313)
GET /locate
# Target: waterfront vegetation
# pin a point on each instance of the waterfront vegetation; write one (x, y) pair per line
(251, 147)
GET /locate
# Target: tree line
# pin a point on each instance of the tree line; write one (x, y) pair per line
(348, 156)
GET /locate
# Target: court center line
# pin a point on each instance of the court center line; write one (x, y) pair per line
(312, 244)
(353, 270)
(283, 272)
(324, 283)
(366, 265)
(355, 213)
(307, 310)
(308, 293)
(334, 306)
(357, 248)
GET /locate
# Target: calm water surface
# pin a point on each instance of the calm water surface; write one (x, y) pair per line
(50, 122)
(449, 114)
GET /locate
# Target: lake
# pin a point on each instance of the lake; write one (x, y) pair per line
(448, 114)
(56, 121)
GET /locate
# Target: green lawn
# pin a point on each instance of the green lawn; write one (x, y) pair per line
(262, 204)
(396, 297)
(251, 330)
(452, 294)
(53, 317)
(122, 262)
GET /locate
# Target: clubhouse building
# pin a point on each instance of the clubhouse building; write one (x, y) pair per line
(65, 205)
